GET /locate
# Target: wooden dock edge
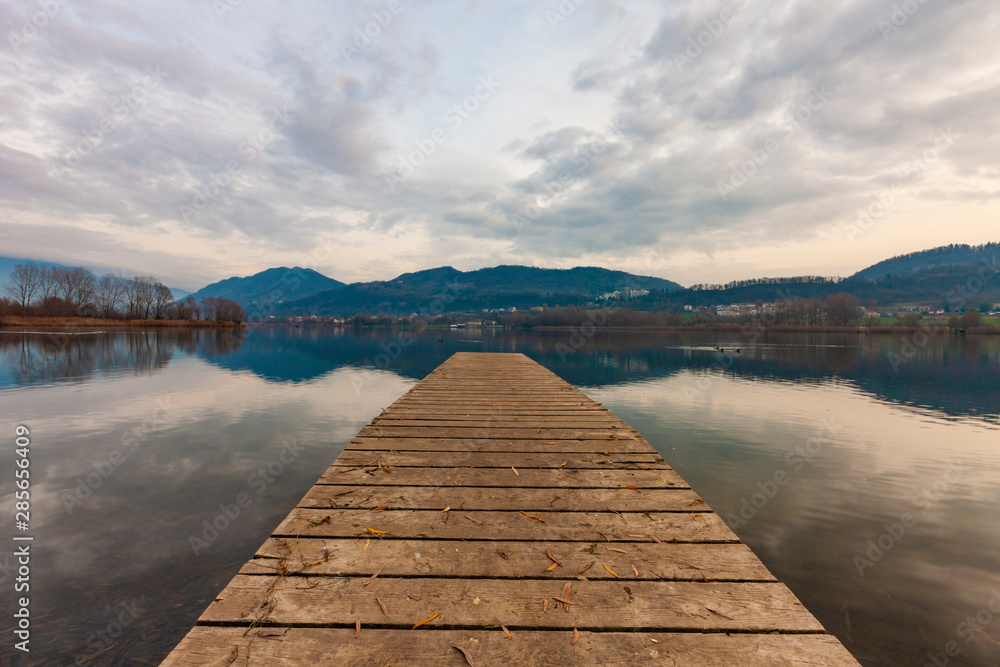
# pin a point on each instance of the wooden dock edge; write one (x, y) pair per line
(495, 515)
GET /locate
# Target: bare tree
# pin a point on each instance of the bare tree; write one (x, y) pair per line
(971, 318)
(842, 308)
(190, 310)
(75, 286)
(23, 283)
(162, 297)
(130, 298)
(84, 284)
(143, 296)
(227, 310)
(62, 283)
(47, 286)
(208, 307)
(110, 291)
(237, 316)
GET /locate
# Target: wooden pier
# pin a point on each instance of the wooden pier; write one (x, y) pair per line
(494, 515)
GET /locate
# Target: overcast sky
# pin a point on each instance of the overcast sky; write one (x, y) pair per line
(696, 141)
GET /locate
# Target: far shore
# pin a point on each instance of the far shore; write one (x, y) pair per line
(31, 322)
(776, 328)
(717, 327)
(17, 323)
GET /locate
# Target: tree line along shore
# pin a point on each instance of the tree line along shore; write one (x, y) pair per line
(59, 296)
(46, 297)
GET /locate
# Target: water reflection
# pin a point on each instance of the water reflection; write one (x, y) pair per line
(954, 375)
(44, 358)
(195, 415)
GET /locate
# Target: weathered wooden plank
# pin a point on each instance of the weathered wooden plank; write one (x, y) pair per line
(525, 398)
(495, 459)
(462, 413)
(323, 496)
(501, 525)
(539, 433)
(517, 603)
(504, 421)
(571, 402)
(507, 559)
(533, 390)
(509, 381)
(494, 401)
(555, 479)
(525, 407)
(490, 648)
(530, 469)
(581, 446)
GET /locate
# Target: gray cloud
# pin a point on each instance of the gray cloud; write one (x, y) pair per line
(631, 149)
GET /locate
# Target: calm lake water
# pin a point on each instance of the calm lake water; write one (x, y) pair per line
(887, 525)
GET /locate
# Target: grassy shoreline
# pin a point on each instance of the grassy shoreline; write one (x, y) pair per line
(26, 322)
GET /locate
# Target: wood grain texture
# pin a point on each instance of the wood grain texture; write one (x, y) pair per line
(323, 496)
(541, 432)
(507, 559)
(561, 478)
(494, 525)
(479, 495)
(516, 603)
(507, 459)
(506, 421)
(581, 445)
(491, 648)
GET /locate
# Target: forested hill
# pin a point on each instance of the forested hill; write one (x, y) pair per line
(929, 260)
(270, 286)
(449, 289)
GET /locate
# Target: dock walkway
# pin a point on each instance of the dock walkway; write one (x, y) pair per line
(494, 515)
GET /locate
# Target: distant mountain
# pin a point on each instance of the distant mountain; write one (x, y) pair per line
(180, 293)
(943, 257)
(270, 287)
(949, 277)
(7, 265)
(584, 280)
(494, 287)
